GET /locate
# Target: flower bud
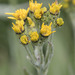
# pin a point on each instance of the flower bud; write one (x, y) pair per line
(55, 8)
(46, 30)
(24, 39)
(18, 27)
(60, 22)
(34, 6)
(34, 36)
(20, 14)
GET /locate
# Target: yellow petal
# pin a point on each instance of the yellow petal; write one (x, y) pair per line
(11, 18)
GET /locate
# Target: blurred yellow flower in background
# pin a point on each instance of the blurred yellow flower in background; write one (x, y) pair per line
(73, 1)
(65, 5)
(66, 0)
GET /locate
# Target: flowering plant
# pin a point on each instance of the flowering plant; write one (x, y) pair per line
(35, 27)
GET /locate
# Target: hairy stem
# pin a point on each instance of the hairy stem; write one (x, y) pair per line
(41, 72)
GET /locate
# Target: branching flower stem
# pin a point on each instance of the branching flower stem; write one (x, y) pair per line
(30, 55)
(35, 27)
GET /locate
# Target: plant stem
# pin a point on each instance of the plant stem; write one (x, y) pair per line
(41, 72)
(29, 54)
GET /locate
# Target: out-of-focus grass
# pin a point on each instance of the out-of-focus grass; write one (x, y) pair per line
(13, 1)
(4, 47)
(13, 55)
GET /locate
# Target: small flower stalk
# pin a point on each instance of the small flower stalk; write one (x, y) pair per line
(35, 27)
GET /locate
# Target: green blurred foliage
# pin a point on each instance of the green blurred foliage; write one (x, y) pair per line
(8, 1)
(4, 1)
(4, 47)
(13, 55)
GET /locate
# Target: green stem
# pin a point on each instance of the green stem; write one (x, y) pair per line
(41, 72)
(29, 54)
(48, 48)
(42, 55)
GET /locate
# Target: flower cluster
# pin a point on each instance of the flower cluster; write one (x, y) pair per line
(35, 27)
(36, 9)
(36, 21)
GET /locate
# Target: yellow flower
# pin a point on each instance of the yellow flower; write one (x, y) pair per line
(34, 36)
(60, 21)
(73, 1)
(55, 8)
(46, 30)
(34, 6)
(24, 39)
(39, 12)
(31, 23)
(44, 9)
(20, 14)
(19, 22)
(65, 5)
(18, 27)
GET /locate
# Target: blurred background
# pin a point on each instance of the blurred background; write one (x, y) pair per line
(12, 54)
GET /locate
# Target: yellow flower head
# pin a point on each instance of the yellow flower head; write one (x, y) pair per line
(73, 1)
(24, 39)
(31, 23)
(19, 22)
(34, 6)
(18, 27)
(44, 9)
(65, 5)
(19, 14)
(39, 12)
(60, 21)
(55, 8)
(46, 30)
(34, 36)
